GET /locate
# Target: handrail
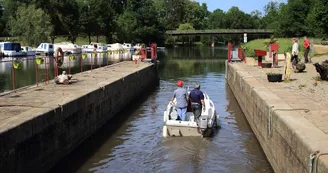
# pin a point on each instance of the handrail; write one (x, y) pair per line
(219, 31)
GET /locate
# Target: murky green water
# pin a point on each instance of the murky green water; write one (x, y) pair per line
(133, 142)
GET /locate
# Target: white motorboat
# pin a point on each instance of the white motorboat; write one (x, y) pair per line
(28, 51)
(45, 48)
(137, 46)
(68, 47)
(208, 121)
(128, 46)
(11, 49)
(91, 47)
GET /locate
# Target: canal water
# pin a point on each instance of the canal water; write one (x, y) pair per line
(133, 142)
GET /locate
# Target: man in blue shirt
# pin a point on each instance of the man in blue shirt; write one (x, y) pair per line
(181, 96)
(196, 97)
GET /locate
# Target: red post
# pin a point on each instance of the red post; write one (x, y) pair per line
(98, 60)
(81, 64)
(107, 57)
(229, 52)
(45, 70)
(56, 66)
(13, 74)
(259, 61)
(69, 65)
(37, 74)
(153, 51)
(91, 61)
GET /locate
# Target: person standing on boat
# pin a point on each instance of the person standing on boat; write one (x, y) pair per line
(196, 97)
(181, 96)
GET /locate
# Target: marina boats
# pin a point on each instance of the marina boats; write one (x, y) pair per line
(128, 46)
(68, 47)
(208, 121)
(11, 49)
(91, 47)
(137, 46)
(28, 51)
(45, 48)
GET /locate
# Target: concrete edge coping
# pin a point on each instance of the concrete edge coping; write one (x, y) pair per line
(320, 146)
(23, 117)
(41, 84)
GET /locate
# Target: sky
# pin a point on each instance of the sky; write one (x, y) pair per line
(245, 5)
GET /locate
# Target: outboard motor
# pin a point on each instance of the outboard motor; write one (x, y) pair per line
(203, 123)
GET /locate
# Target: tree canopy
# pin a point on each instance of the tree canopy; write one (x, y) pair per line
(147, 20)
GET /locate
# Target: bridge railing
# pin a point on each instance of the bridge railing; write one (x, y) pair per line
(219, 31)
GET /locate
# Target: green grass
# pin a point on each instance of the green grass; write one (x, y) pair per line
(285, 45)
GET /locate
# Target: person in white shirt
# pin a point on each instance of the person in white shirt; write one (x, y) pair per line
(295, 52)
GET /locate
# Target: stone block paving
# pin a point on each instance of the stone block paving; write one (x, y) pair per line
(300, 92)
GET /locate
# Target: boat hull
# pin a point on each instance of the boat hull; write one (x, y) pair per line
(208, 121)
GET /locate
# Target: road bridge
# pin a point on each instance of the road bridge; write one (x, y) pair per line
(219, 32)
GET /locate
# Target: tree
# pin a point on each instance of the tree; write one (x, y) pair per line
(236, 19)
(317, 19)
(87, 18)
(195, 14)
(140, 23)
(32, 25)
(292, 18)
(185, 27)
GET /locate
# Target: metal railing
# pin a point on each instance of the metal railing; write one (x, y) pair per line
(220, 31)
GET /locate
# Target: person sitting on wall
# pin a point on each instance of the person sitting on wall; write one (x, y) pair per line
(196, 97)
(181, 96)
(63, 78)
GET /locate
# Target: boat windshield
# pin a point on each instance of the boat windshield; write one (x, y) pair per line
(12, 46)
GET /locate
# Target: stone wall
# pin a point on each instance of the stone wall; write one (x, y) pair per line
(285, 136)
(37, 144)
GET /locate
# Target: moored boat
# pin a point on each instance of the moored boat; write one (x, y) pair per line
(68, 47)
(91, 47)
(11, 49)
(208, 121)
(45, 48)
(28, 51)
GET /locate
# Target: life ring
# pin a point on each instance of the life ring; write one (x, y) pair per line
(59, 54)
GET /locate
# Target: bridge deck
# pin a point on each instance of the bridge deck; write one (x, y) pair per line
(219, 32)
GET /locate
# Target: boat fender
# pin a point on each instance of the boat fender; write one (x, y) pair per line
(165, 131)
(165, 116)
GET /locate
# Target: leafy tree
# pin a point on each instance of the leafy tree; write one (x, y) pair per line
(32, 25)
(139, 22)
(68, 14)
(195, 14)
(185, 27)
(88, 18)
(292, 18)
(237, 19)
(318, 18)
(217, 19)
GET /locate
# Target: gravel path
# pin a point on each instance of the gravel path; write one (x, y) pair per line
(307, 83)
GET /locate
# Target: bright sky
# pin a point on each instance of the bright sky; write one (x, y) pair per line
(245, 5)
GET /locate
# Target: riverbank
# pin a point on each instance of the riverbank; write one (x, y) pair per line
(41, 125)
(285, 45)
(275, 111)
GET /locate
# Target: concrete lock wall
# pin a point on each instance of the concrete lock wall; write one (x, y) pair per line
(283, 138)
(36, 145)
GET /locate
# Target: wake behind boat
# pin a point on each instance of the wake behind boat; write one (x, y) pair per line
(208, 121)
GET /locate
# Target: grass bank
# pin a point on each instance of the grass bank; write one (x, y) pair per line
(285, 45)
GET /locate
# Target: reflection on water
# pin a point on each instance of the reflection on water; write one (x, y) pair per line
(29, 71)
(133, 142)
